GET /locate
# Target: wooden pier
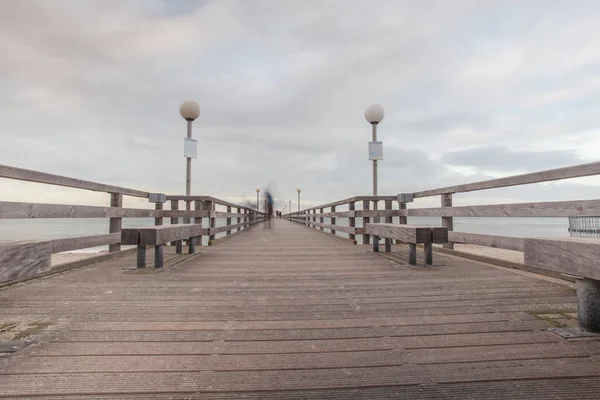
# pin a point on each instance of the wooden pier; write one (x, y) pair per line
(293, 313)
(297, 312)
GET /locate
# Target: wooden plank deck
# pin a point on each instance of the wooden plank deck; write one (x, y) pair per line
(293, 313)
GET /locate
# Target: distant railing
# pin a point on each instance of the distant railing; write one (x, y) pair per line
(370, 208)
(196, 208)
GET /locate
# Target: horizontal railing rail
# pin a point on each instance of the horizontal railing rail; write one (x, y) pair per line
(224, 218)
(396, 208)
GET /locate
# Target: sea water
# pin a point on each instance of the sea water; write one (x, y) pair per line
(46, 229)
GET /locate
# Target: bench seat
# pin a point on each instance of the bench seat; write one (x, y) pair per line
(158, 236)
(579, 258)
(411, 234)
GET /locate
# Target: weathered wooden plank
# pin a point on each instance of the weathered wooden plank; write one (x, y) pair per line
(405, 233)
(58, 180)
(225, 228)
(164, 234)
(352, 220)
(22, 259)
(39, 210)
(534, 177)
(116, 200)
(578, 208)
(84, 242)
(340, 228)
(207, 198)
(574, 256)
(501, 242)
(447, 222)
(350, 200)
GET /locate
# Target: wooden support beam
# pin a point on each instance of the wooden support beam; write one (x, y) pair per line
(116, 200)
(352, 220)
(158, 220)
(321, 219)
(198, 220)
(389, 220)
(447, 222)
(333, 220)
(228, 220)
(366, 238)
(174, 221)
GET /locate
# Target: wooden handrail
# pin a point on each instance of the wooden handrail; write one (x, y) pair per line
(58, 180)
(575, 171)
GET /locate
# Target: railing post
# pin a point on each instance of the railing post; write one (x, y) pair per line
(198, 207)
(352, 220)
(366, 220)
(159, 248)
(229, 220)
(447, 222)
(174, 221)
(209, 205)
(333, 220)
(321, 219)
(401, 220)
(375, 220)
(188, 208)
(158, 220)
(116, 200)
(389, 220)
(239, 219)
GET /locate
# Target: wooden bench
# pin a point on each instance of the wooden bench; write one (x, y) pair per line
(578, 258)
(158, 236)
(411, 234)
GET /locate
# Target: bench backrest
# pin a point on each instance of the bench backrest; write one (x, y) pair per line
(409, 233)
(151, 236)
(573, 256)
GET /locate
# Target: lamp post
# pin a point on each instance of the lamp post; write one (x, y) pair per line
(374, 115)
(257, 191)
(189, 110)
(298, 190)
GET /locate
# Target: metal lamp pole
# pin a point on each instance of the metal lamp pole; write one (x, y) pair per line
(257, 191)
(374, 115)
(298, 190)
(189, 110)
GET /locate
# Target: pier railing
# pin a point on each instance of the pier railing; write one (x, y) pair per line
(224, 218)
(370, 208)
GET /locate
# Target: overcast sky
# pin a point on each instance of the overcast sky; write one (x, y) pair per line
(472, 90)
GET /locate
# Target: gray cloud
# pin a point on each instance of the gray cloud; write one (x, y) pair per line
(498, 158)
(92, 89)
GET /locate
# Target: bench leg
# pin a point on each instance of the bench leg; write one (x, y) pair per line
(141, 256)
(191, 246)
(159, 256)
(412, 254)
(376, 244)
(428, 253)
(588, 304)
(388, 245)
(179, 246)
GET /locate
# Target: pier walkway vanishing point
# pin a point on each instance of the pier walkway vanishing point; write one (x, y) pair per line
(292, 312)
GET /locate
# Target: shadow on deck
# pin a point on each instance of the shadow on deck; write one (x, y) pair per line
(291, 313)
